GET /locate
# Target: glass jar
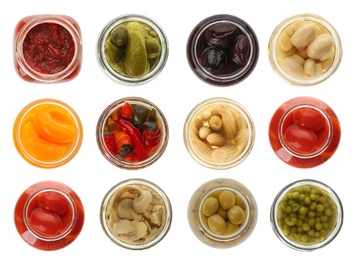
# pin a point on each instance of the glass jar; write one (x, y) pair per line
(49, 215)
(136, 214)
(219, 133)
(47, 133)
(304, 132)
(133, 61)
(132, 133)
(306, 215)
(222, 50)
(305, 50)
(47, 48)
(222, 213)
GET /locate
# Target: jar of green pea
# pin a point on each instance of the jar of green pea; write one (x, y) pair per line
(306, 215)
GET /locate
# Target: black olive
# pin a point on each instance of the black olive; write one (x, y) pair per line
(213, 59)
(240, 50)
(221, 35)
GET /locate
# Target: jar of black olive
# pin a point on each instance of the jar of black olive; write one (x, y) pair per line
(222, 213)
(136, 214)
(307, 215)
(47, 48)
(132, 133)
(132, 49)
(222, 50)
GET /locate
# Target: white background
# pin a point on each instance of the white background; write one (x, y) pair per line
(176, 91)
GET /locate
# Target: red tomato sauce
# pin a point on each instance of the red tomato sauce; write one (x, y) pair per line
(48, 48)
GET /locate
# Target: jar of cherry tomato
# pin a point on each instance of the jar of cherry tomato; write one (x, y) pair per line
(307, 215)
(136, 214)
(132, 133)
(304, 132)
(47, 48)
(49, 215)
(132, 49)
(222, 213)
(305, 49)
(47, 133)
(222, 50)
(219, 133)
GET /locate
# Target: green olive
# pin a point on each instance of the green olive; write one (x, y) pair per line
(210, 206)
(119, 36)
(226, 199)
(236, 215)
(217, 224)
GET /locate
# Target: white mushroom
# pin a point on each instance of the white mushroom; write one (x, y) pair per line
(157, 215)
(140, 204)
(124, 226)
(125, 209)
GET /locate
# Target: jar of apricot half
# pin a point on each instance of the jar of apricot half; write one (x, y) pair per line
(305, 49)
(47, 133)
(222, 213)
(307, 215)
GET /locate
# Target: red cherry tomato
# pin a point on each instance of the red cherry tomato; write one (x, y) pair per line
(300, 139)
(309, 118)
(53, 202)
(44, 222)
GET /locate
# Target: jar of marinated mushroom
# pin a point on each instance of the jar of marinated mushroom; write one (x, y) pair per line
(132, 49)
(136, 214)
(222, 213)
(219, 133)
(305, 49)
(307, 215)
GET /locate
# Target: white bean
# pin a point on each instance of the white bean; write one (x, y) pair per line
(320, 46)
(304, 35)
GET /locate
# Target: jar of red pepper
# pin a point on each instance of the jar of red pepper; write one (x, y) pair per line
(132, 133)
(47, 48)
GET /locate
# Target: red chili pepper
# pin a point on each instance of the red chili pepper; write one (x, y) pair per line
(136, 137)
(152, 134)
(110, 144)
(126, 110)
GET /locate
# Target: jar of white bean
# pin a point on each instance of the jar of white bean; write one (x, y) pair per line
(305, 49)
(222, 213)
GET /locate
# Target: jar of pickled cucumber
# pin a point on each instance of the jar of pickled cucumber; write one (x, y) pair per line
(305, 49)
(307, 215)
(222, 213)
(132, 49)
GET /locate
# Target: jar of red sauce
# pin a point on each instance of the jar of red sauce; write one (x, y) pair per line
(47, 48)
(304, 132)
(49, 215)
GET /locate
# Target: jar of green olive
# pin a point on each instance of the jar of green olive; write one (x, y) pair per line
(132, 49)
(306, 215)
(222, 213)
(305, 49)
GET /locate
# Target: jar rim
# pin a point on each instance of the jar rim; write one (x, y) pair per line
(274, 211)
(68, 229)
(42, 19)
(136, 181)
(272, 45)
(126, 80)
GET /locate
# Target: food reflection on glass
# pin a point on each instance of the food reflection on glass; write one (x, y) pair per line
(304, 132)
(219, 133)
(132, 133)
(136, 214)
(47, 133)
(49, 215)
